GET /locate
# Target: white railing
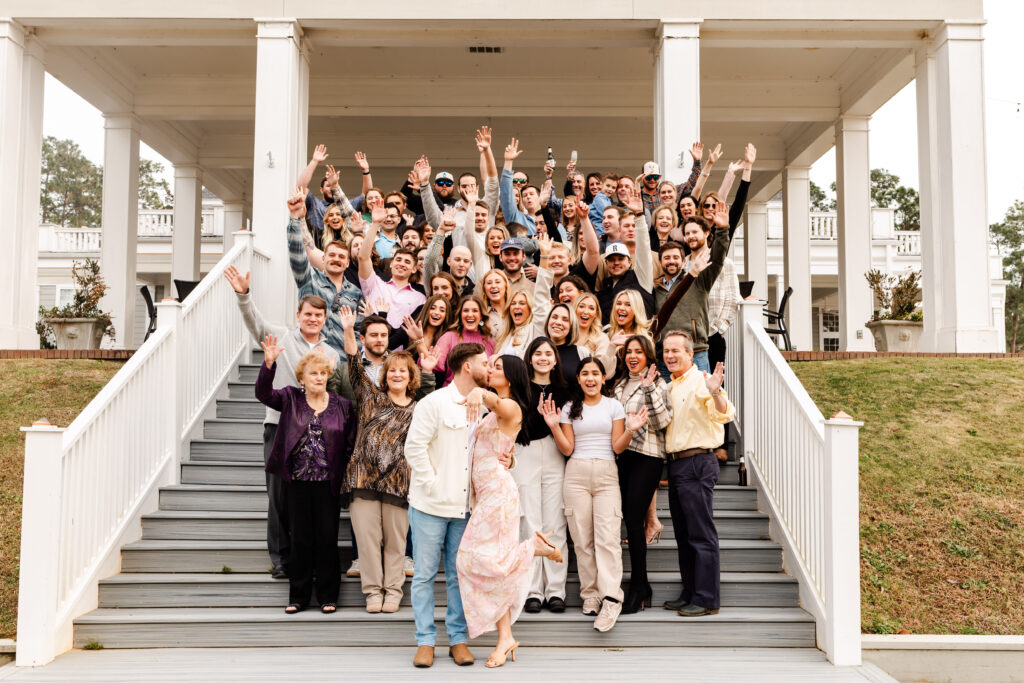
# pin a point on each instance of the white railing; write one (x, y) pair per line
(153, 223)
(806, 470)
(86, 487)
(160, 223)
(908, 242)
(823, 225)
(77, 239)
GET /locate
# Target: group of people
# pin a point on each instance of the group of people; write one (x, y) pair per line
(480, 379)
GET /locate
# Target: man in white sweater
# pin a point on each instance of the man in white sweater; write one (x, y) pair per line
(438, 450)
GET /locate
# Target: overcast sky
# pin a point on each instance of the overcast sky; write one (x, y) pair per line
(68, 116)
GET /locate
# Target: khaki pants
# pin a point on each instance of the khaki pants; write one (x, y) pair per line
(593, 510)
(375, 522)
(540, 473)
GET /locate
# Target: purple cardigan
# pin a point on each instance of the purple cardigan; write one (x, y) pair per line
(338, 421)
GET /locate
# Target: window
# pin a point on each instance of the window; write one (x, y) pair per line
(829, 330)
(65, 295)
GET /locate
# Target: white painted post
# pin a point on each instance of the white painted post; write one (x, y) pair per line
(168, 314)
(749, 314)
(246, 237)
(842, 541)
(854, 218)
(755, 247)
(120, 221)
(188, 207)
(676, 109)
(932, 281)
(796, 235)
(233, 221)
(38, 583)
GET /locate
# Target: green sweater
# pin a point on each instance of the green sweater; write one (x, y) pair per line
(691, 314)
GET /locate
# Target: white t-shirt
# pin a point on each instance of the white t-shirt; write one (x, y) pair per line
(592, 432)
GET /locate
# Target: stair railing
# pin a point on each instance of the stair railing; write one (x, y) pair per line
(805, 468)
(87, 486)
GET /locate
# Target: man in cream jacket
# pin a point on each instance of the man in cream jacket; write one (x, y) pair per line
(438, 451)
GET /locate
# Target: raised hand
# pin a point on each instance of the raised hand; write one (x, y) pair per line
(429, 358)
(333, 177)
(378, 213)
(582, 210)
(356, 224)
(412, 328)
(633, 202)
(270, 350)
(549, 168)
(735, 166)
(715, 154)
(749, 155)
(297, 203)
(650, 376)
(347, 317)
(620, 338)
(362, 162)
(697, 151)
(551, 413)
(512, 151)
(570, 167)
(413, 178)
(238, 282)
(320, 154)
(381, 305)
(714, 381)
(364, 308)
(422, 167)
(699, 260)
(483, 138)
(447, 220)
(638, 420)
(471, 196)
(722, 215)
(544, 244)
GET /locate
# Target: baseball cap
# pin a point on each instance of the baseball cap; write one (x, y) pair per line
(444, 175)
(651, 168)
(512, 243)
(615, 249)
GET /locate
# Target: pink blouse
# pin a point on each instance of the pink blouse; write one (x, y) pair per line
(448, 341)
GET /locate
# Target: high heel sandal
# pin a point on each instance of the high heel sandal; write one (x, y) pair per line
(556, 553)
(509, 654)
(653, 539)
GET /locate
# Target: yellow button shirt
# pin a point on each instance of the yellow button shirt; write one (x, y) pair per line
(695, 421)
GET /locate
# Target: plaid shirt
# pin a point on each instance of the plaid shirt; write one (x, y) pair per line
(723, 299)
(650, 440)
(653, 201)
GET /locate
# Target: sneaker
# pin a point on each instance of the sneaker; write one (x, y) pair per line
(591, 606)
(353, 570)
(279, 573)
(391, 604)
(609, 613)
(409, 567)
(374, 603)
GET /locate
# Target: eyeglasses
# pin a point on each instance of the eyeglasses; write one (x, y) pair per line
(444, 183)
(710, 205)
(519, 181)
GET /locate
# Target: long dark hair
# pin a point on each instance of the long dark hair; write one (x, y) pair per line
(557, 379)
(621, 371)
(514, 369)
(576, 403)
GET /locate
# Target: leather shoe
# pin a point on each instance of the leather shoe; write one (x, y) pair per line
(676, 604)
(556, 605)
(692, 610)
(279, 573)
(424, 657)
(461, 654)
(532, 605)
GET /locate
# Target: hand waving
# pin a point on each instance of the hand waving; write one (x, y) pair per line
(412, 328)
(512, 151)
(362, 162)
(483, 138)
(347, 317)
(297, 203)
(697, 151)
(320, 154)
(714, 381)
(715, 154)
(552, 414)
(699, 261)
(270, 350)
(638, 420)
(722, 215)
(333, 177)
(429, 358)
(633, 202)
(650, 376)
(238, 282)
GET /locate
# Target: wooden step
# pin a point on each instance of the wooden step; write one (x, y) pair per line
(266, 626)
(194, 556)
(247, 372)
(242, 389)
(135, 590)
(212, 525)
(254, 498)
(233, 429)
(247, 407)
(230, 451)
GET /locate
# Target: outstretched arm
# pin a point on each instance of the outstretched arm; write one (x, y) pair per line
(364, 165)
(319, 157)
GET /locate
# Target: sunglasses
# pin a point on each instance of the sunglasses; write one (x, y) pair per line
(653, 176)
(519, 181)
(710, 205)
(444, 183)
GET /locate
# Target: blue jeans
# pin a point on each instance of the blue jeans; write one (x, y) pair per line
(700, 359)
(432, 536)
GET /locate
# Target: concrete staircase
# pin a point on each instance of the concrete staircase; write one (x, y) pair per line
(199, 577)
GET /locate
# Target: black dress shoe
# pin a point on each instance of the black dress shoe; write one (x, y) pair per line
(637, 599)
(692, 610)
(532, 605)
(676, 604)
(556, 605)
(279, 573)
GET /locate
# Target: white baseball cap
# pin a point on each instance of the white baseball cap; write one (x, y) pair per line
(616, 249)
(651, 168)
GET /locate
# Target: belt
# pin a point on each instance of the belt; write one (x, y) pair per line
(688, 453)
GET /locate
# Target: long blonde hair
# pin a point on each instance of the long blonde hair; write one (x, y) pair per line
(509, 330)
(482, 293)
(330, 235)
(641, 325)
(590, 337)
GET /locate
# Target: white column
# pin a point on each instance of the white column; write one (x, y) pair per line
(796, 253)
(755, 247)
(188, 207)
(951, 86)
(21, 135)
(853, 227)
(282, 76)
(928, 178)
(676, 95)
(234, 220)
(120, 221)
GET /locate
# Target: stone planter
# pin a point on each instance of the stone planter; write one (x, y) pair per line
(76, 333)
(896, 335)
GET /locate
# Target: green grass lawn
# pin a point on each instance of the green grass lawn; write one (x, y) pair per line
(941, 489)
(29, 390)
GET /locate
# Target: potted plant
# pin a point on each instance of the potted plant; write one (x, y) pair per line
(80, 324)
(897, 323)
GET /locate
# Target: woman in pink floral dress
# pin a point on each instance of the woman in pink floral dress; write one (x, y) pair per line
(493, 565)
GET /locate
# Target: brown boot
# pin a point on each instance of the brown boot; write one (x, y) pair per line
(424, 657)
(461, 654)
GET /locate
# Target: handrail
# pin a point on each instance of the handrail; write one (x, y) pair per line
(87, 486)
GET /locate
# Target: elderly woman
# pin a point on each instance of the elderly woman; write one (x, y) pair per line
(314, 441)
(377, 479)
